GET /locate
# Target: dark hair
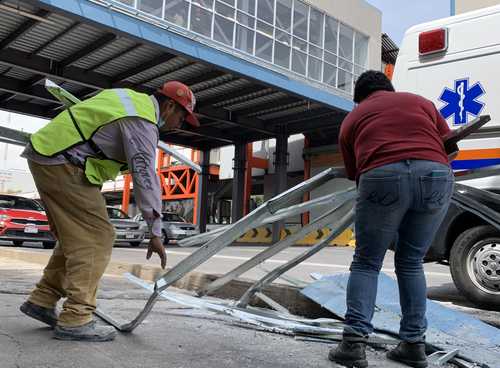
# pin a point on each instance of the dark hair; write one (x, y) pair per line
(369, 82)
(160, 97)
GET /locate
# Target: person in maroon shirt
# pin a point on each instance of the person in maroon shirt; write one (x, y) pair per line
(392, 146)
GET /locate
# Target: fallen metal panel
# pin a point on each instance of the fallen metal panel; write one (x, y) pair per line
(222, 240)
(337, 228)
(448, 329)
(318, 223)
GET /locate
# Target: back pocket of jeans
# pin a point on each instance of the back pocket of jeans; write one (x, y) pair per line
(436, 189)
(380, 192)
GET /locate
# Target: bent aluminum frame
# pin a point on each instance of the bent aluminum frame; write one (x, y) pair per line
(222, 240)
(337, 228)
(318, 223)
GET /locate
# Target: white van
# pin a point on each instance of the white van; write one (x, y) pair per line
(455, 62)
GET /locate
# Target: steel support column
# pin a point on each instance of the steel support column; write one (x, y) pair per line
(280, 168)
(240, 153)
(202, 207)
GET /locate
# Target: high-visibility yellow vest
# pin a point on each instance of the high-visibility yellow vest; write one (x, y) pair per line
(78, 124)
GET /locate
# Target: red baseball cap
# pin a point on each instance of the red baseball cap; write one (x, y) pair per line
(183, 95)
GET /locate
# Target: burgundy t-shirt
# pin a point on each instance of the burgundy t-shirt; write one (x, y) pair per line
(388, 127)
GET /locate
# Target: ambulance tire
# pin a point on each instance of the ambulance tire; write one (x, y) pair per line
(475, 265)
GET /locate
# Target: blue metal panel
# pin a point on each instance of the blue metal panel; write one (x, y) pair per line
(448, 329)
(452, 7)
(191, 48)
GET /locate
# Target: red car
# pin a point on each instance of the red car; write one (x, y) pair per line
(23, 219)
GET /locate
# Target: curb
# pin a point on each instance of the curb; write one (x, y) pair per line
(288, 296)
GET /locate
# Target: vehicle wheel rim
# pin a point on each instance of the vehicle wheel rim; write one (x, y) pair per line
(483, 266)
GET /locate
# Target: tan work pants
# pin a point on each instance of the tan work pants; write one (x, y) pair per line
(76, 211)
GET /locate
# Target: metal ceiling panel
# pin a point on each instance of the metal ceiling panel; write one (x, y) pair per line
(114, 48)
(19, 74)
(71, 42)
(128, 61)
(160, 71)
(41, 33)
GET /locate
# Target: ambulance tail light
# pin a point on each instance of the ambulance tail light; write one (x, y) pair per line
(433, 41)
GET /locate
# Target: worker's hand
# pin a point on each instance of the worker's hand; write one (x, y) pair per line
(156, 246)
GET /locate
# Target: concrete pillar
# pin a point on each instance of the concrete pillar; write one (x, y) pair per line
(280, 166)
(202, 208)
(239, 163)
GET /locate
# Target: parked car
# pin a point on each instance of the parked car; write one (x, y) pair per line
(23, 219)
(470, 245)
(127, 230)
(174, 229)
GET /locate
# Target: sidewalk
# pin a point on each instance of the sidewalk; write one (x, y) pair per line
(172, 336)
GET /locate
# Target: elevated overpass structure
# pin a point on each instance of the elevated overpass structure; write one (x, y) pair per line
(86, 46)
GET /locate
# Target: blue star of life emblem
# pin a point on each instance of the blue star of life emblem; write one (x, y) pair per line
(462, 101)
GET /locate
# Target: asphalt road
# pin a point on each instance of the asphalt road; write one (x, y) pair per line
(327, 261)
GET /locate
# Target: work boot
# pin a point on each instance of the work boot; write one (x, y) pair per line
(350, 352)
(411, 354)
(42, 314)
(88, 332)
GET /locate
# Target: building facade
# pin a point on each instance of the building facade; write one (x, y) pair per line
(463, 6)
(325, 42)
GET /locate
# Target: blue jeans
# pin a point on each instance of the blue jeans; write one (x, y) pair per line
(402, 203)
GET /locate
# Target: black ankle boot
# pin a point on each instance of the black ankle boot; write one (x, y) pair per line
(411, 354)
(350, 353)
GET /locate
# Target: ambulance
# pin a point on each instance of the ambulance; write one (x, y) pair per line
(455, 62)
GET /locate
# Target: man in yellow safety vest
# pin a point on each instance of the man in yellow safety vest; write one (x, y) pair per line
(70, 158)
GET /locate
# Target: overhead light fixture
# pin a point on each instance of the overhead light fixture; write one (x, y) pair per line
(25, 14)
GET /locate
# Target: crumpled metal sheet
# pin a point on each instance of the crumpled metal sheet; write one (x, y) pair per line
(448, 329)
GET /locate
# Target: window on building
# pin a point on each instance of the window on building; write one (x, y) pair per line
(316, 27)
(331, 34)
(264, 47)
(346, 39)
(299, 61)
(345, 81)
(246, 20)
(284, 14)
(283, 37)
(225, 10)
(176, 11)
(282, 54)
(153, 7)
(330, 74)
(265, 28)
(315, 51)
(361, 50)
(314, 68)
(298, 44)
(247, 6)
(265, 11)
(346, 65)
(330, 58)
(201, 21)
(223, 30)
(244, 39)
(300, 19)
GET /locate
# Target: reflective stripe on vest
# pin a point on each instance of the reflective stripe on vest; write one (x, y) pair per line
(63, 132)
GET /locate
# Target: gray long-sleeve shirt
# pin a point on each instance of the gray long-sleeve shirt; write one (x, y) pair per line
(132, 140)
